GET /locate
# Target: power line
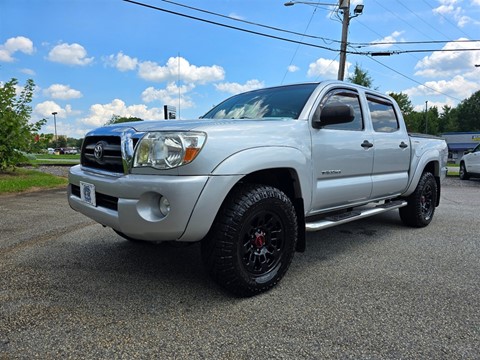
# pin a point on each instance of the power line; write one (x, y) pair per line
(425, 22)
(298, 46)
(446, 19)
(399, 17)
(364, 44)
(326, 40)
(413, 80)
(371, 54)
(380, 43)
(286, 39)
(304, 34)
(396, 52)
(230, 26)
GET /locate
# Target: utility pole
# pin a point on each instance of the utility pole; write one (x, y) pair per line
(55, 124)
(426, 117)
(344, 5)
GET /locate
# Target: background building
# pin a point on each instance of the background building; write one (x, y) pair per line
(459, 142)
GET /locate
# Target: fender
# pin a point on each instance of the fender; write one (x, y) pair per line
(231, 170)
(271, 157)
(430, 156)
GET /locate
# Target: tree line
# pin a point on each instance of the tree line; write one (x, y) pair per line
(464, 117)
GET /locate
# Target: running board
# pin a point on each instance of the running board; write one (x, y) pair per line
(353, 215)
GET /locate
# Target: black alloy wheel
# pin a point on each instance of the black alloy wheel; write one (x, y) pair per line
(252, 241)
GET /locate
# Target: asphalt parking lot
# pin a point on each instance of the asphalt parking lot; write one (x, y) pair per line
(372, 289)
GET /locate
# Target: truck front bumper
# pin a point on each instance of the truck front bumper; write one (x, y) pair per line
(130, 203)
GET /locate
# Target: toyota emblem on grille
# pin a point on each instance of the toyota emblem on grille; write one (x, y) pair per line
(98, 151)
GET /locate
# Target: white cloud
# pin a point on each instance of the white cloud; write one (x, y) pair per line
(293, 68)
(63, 118)
(46, 108)
(62, 92)
(236, 88)
(458, 87)
(170, 95)
(453, 8)
(179, 68)
(449, 63)
(28, 72)
(73, 54)
(388, 39)
(444, 9)
(438, 104)
(235, 16)
(122, 62)
(326, 68)
(12, 45)
(101, 113)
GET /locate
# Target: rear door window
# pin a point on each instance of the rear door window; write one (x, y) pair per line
(382, 112)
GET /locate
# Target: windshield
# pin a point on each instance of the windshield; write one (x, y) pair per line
(278, 102)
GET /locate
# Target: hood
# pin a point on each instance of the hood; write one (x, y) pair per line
(173, 125)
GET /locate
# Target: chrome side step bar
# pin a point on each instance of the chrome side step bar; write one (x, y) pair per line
(353, 215)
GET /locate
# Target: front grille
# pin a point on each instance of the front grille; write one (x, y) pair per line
(106, 201)
(111, 157)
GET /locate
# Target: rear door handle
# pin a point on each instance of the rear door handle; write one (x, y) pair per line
(366, 144)
(403, 145)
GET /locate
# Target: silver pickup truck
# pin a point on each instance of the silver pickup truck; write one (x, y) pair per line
(258, 171)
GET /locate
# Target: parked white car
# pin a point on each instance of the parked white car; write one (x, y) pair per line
(470, 164)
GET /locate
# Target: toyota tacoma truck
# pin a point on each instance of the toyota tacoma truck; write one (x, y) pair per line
(257, 172)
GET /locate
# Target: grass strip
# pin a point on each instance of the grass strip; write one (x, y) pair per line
(27, 180)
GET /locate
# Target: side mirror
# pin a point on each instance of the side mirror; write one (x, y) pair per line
(334, 113)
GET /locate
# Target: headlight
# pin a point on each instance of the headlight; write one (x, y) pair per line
(167, 150)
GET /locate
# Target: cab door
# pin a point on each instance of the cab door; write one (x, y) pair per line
(342, 157)
(392, 149)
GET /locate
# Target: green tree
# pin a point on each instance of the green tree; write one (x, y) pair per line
(72, 142)
(432, 125)
(448, 120)
(16, 132)
(415, 122)
(403, 102)
(117, 119)
(61, 142)
(360, 77)
(468, 111)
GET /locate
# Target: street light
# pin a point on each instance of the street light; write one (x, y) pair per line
(55, 124)
(343, 5)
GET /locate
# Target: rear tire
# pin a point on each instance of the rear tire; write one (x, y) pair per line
(252, 242)
(421, 203)
(463, 174)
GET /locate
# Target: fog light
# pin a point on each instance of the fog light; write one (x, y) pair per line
(164, 206)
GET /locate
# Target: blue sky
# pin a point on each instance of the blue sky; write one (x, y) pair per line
(91, 59)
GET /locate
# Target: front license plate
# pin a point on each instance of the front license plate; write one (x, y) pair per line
(87, 193)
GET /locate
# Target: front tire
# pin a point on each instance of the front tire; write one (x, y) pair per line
(252, 242)
(421, 203)
(463, 174)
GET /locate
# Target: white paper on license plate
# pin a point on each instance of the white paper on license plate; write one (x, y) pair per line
(87, 193)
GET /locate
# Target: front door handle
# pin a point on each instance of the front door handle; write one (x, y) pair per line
(366, 144)
(403, 145)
